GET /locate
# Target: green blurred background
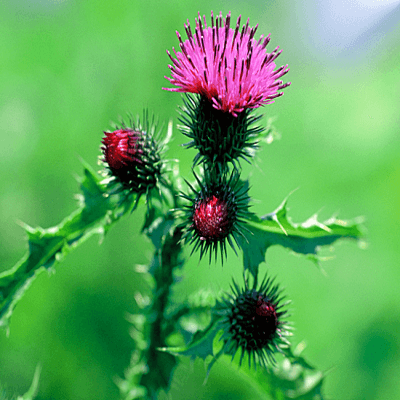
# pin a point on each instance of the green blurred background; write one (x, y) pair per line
(68, 68)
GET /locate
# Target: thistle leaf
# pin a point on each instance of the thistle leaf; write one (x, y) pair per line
(291, 378)
(96, 213)
(305, 238)
(201, 344)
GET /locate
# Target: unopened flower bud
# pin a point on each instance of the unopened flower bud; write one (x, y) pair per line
(254, 322)
(133, 158)
(216, 213)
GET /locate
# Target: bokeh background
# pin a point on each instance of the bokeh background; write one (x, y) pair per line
(68, 68)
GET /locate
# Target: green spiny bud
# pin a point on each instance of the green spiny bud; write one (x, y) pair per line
(253, 321)
(216, 213)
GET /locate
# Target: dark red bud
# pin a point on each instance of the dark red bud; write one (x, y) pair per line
(122, 148)
(211, 219)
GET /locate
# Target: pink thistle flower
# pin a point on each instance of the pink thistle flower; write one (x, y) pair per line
(227, 66)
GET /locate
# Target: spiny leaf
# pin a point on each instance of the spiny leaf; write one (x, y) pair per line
(306, 238)
(201, 344)
(97, 212)
(291, 378)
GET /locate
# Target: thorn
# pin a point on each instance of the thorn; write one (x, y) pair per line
(275, 218)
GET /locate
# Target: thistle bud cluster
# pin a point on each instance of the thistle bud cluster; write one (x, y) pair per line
(225, 74)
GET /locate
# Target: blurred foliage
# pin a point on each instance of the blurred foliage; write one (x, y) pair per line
(96, 213)
(69, 67)
(30, 394)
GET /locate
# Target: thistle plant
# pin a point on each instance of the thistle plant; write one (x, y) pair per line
(226, 74)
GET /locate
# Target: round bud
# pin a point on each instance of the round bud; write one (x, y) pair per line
(132, 158)
(122, 149)
(211, 219)
(253, 322)
(216, 213)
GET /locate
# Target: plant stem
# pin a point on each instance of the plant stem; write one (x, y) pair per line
(160, 365)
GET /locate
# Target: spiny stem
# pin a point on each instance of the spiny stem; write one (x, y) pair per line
(161, 365)
(147, 382)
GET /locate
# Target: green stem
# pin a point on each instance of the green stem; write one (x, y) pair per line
(160, 365)
(151, 370)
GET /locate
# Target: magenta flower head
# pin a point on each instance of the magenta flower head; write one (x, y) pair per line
(253, 320)
(132, 157)
(216, 213)
(230, 74)
(227, 66)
